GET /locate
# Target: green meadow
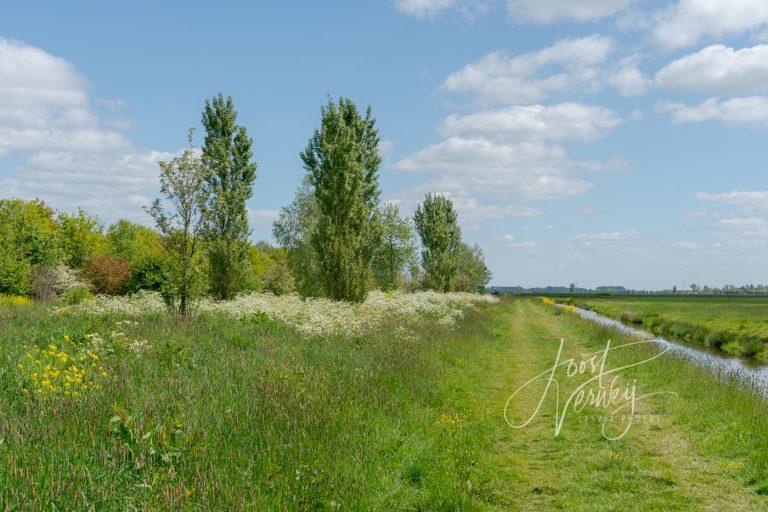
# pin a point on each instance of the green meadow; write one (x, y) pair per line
(735, 325)
(213, 412)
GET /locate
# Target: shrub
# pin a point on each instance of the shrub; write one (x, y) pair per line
(77, 295)
(109, 276)
(50, 283)
(278, 278)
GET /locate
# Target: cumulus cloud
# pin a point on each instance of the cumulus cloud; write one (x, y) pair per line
(69, 156)
(524, 171)
(547, 11)
(569, 65)
(44, 104)
(627, 78)
(562, 121)
(471, 211)
(750, 201)
(689, 21)
(718, 70)
(750, 110)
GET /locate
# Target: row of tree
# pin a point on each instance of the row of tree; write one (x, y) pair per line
(337, 239)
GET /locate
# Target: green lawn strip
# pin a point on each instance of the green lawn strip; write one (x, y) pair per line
(647, 470)
(722, 424)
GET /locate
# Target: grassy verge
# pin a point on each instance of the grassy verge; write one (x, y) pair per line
(222, 414)
(735, 325)
(217, 414)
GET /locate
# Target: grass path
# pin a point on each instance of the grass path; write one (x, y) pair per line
(658, 465)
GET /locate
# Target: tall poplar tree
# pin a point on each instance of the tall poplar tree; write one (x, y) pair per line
(227, 154)
(435, 221)
(342, 162)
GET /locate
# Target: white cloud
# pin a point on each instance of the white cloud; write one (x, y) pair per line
(423, 8)
(262, 218)
(471, 212)
(718, 70)
(753, 227)
(615, 236)
(430, 9)
(44, 104)
(529, 246)
(627, 79)
(569, 65)
(687, 246)
(750, 201)
(689, 21)
(547, 11)
(524, 171)
(562, 121)
(69, 156)
(112, 185)
(750, 110)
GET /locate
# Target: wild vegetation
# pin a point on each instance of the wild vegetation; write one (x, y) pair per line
(735, 325)
(222, 411)
(336, 239)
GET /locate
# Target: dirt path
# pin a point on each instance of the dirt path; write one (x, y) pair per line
(653, 467)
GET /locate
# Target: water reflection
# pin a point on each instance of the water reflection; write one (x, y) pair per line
(724, 367)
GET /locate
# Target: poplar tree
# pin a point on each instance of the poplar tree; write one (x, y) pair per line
(342, 162)
(440, 235)
(227, 154)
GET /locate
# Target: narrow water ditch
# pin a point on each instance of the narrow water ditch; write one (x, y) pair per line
(749, 374)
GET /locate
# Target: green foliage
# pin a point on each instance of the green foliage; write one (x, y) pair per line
(81, 235)
(76, 295)
(278, 278)
(142, 247)
(229, 182)
(342, 162)
(292, 230)
(435, 221)
(182, 182)
(472, 273)
(397, 248)
(29, 237)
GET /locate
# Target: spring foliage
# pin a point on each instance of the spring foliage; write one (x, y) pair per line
(342, 161)
(227, 153)
(440, 236)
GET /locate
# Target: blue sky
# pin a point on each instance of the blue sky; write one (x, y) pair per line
(600, 141)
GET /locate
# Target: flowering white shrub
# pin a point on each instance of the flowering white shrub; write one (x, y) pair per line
(313, 316)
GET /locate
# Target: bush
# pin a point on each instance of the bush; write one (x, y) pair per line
(109, 276)
(51, 282)
(278, 278)
(77, 295)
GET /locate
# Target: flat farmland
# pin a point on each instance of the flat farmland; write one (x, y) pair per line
(735, 325)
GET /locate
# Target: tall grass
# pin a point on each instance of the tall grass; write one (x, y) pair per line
(216, 413)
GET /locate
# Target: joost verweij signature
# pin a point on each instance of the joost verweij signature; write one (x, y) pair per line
(601, 389)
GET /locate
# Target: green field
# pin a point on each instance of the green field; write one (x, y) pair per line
(736, 325)
(215, 413)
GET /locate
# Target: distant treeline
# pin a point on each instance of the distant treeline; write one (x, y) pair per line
(336, 239)
(727, 290)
